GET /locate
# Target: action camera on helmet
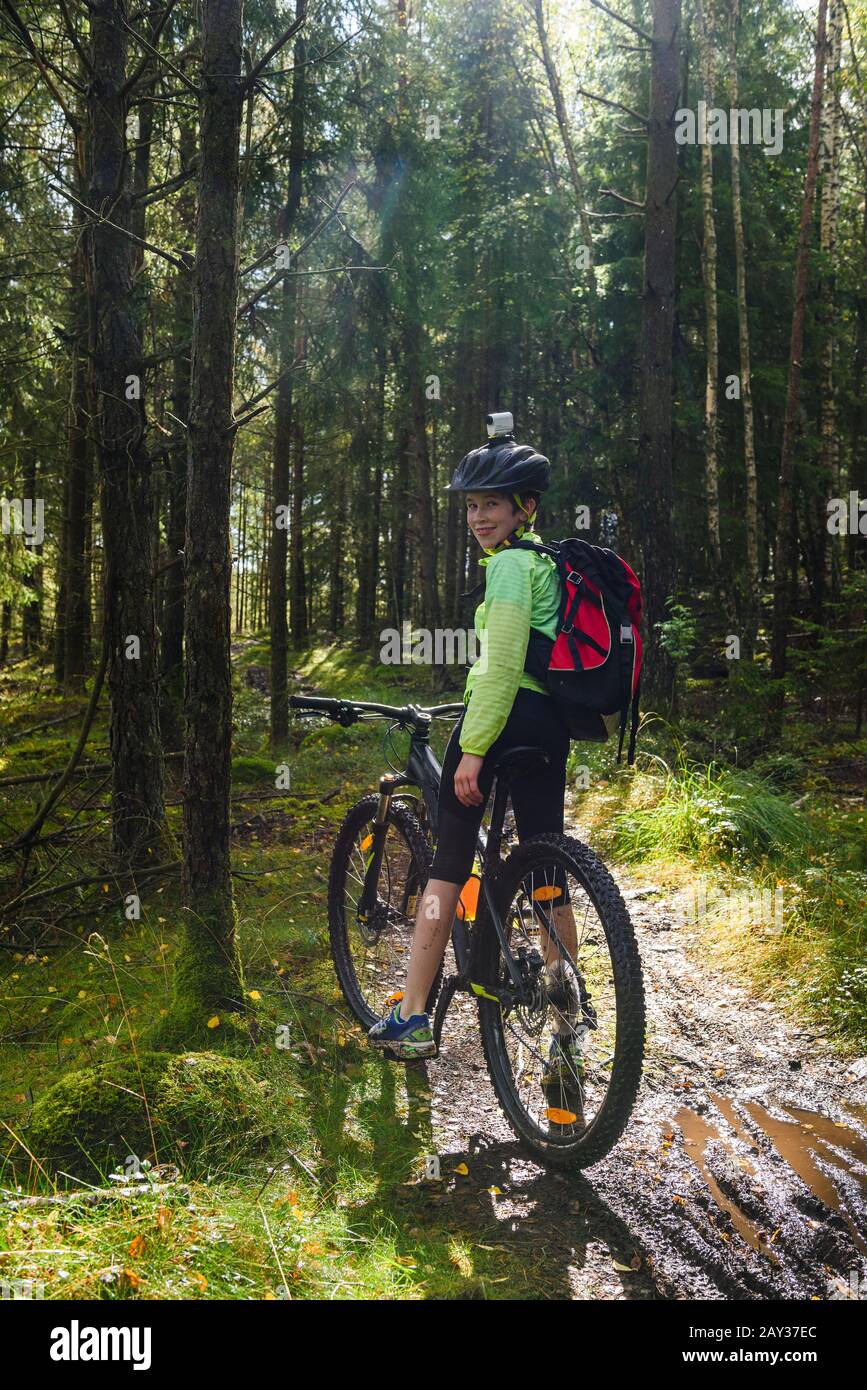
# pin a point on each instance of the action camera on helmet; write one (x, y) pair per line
(501, 422)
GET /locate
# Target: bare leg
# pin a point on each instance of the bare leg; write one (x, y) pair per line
(564, 923)
(433, 924)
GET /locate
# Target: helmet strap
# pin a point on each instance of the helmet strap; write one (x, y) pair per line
(525, 525)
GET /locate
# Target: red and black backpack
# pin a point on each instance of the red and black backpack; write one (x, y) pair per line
(592, 668)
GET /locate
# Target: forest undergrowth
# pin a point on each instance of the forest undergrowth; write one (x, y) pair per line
(319, 1193)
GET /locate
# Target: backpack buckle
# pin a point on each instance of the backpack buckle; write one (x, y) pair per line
(574, 578)
(626, 632)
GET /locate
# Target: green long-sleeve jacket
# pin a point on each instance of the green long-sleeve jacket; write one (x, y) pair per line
(522, 590)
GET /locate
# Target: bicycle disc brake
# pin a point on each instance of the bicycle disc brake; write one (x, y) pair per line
(531, 1006)
(371, 930)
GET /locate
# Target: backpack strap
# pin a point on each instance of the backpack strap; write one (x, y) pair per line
(541, 548)
(630, 756)
(477, 589)
(626, 660)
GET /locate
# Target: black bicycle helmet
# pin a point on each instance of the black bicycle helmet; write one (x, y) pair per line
(501, 465)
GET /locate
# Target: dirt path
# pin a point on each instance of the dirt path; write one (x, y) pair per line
(742, 1175)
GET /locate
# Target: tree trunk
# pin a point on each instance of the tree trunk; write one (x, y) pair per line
(172, 664)
(31, 610)
(829, 173)
(749, 620)
(75, 654)
(337, 580)
(400, 504)
(208, 972)
(283, 413)
(241, 569)
(857, 547)
(706, 17)
(297, 576)
(125, 468)
(421, 474)
(574, 173)
(655, 484)
(784, 550)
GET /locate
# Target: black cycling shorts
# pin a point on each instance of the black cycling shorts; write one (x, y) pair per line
(537, 797)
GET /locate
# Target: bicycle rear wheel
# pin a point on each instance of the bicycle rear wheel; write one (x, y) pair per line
(371, 959)
(571, 1113)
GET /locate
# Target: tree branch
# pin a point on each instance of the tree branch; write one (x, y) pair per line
(36, 824)
(648, 38)
(158, 191)
(258, 69)
(618, 105)
(26, 38)
(105, 222)
(260, 395)
(275, 279)
(75, 40)
(612, 193)
(154, 53)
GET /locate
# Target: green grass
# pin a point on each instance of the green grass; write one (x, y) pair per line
(335, 1207)
(751, 835)
(712, 813)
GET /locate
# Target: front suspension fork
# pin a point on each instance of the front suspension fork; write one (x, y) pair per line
(373, 847)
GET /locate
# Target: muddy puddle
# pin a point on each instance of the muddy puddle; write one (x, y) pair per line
(827, 1155)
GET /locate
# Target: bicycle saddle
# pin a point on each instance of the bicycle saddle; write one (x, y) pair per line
(516, 761)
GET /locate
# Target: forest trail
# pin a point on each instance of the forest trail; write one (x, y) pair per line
(742, 1173)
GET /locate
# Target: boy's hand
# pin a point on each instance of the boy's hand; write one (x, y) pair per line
(467, 780)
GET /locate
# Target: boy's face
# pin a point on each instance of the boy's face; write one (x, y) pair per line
(491, 517)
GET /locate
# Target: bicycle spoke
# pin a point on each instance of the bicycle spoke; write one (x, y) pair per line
(379, 947)
(560, 1062)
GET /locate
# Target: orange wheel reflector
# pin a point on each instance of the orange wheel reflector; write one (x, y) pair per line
(367, 841)
(469, 900)
(561, 1117)
(544, 895)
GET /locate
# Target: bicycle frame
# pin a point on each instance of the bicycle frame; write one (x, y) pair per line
(423, 770)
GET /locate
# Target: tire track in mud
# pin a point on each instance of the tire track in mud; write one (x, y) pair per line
(742, 1173)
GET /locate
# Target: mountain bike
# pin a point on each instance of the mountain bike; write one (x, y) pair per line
(507, 938)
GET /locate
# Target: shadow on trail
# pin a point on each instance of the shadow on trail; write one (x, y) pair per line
(505, 1228)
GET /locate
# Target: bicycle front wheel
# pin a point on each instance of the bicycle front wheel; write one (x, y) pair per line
(371, 958)
(565, 1058)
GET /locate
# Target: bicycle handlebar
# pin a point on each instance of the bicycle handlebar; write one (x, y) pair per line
(348, 712)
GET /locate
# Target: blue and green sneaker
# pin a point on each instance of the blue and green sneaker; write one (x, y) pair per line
(407, 1038)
